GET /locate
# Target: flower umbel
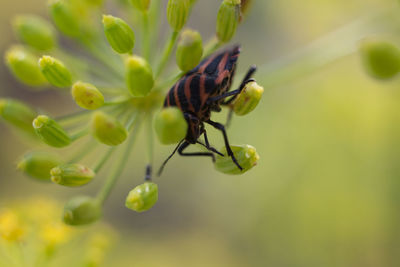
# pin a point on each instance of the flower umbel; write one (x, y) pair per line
(119, 89)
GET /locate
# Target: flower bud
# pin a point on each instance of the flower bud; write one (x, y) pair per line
(55, 72)
(87, 95)
(23, 65)
(245, 6)
(72, 175)
(142, 5)
(381, 59)
(189, 50)
(17, 114)
(248, 99)
(142, 197)
(228, 20)
(38, 164)
(107, 129)
(81, 210)
(139, 76)
(177, 13)
(51, 132)
(120, 36)
(64, 18)
(246, 156)
(170, 125)
(35, 31)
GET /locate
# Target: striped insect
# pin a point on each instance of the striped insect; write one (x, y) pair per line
(199, 92)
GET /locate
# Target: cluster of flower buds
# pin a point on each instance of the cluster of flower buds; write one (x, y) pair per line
(118, 89)
(36, 230)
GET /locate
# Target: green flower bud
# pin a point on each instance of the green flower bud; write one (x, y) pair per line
(248, 99)
(17, 114)
(35, 31)
(23, 65)
(381, 59)
(120, 36)
(142, 197)
(246, 156)
(81, 210)
(139, 76)
(55, 72)
(107, 129)
(228, 20)
(189, 51)
(87, 95)
(38, 164)
(51, 132)
(64, 18)
(71, 175)
(142, 5)
(177, 13)
(170, 125)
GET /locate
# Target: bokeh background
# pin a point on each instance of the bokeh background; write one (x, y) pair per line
(326, 190)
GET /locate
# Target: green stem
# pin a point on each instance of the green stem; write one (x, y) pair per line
(104, 159)
(73, 116)
(150, 139)
(119, 167)
(169, 81)
(86, 149)
(211, 46)
(79, 134)
(146, 36)
(167, 53)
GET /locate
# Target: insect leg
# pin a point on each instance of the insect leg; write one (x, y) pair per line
(245, 81)
(221, 127)
(207, 144)
(234, 93)
(192, 154)
(169, 157)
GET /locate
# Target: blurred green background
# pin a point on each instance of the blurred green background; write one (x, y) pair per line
(326, 190)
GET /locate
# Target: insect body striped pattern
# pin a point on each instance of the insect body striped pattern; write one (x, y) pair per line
(201, 91)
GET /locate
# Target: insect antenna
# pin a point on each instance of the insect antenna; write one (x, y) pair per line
(169, 157)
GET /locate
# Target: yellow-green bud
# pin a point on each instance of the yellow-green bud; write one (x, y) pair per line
(23, 65)
(64, 18)
(189, 50)
(170, 125)
(87, 95)
(51, 132)
(139, 76)
(38, 164)
(381, 59)
(248, 99)
(35, 31)
(120, 36)
(246, 156)
(142, 197)
(142, 5)
(81, 210)
(177, 13)
(71, 175)
(107, 129)
(17, 114)
(55, 72)
(228, 20)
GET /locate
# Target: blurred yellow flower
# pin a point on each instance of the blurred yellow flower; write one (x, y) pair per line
(11, 228)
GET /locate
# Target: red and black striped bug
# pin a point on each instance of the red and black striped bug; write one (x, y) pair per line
(201, 91)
